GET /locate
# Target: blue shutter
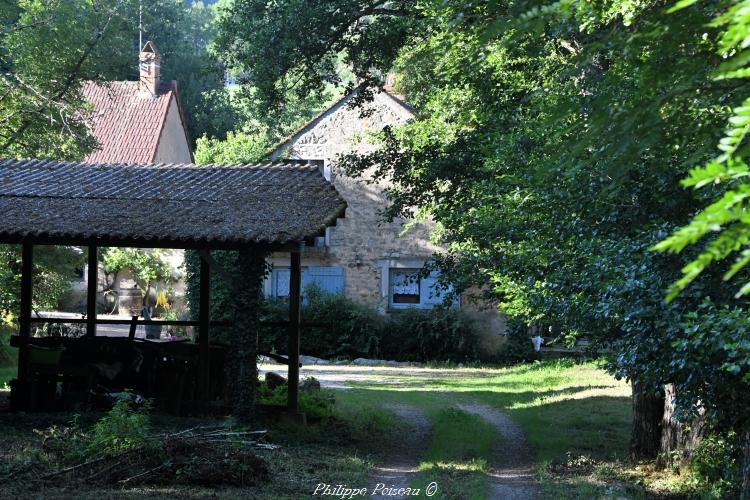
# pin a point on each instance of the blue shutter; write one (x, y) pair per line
(431, 295)
(329, 279)
(280, 285)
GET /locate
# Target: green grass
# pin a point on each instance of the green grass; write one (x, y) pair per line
(577, 419)
(567, 410)
(458, 455)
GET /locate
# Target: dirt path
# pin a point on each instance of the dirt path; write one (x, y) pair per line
(400, 466)
(512, 470)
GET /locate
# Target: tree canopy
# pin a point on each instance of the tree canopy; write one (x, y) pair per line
(549, 144)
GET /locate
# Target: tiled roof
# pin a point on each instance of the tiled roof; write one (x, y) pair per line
(180, 205)
(126, 121)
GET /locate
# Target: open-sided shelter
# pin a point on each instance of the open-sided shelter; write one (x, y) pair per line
(271, 207)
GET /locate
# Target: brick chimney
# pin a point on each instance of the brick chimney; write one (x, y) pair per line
(149, 64)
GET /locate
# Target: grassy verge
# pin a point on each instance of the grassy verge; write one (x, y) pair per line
(458, 456)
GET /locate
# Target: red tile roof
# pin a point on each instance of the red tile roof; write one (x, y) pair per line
(126, 121)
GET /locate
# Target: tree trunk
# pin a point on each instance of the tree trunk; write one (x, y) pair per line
(745, 494)
(678, 439)
(648, 411)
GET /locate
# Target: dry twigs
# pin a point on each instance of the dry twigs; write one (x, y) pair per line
(199, 455)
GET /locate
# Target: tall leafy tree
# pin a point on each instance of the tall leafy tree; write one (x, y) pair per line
(548, 144)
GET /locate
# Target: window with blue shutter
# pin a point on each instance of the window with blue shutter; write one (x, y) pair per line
(329, 279)
(407, 290)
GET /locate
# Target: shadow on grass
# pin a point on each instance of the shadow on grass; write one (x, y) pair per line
(556, 421)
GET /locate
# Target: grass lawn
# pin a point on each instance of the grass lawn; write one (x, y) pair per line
(576, 417)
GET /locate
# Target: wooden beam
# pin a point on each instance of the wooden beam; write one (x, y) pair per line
(203, 329)
(91, 289)
(24, 321)
(295, 292)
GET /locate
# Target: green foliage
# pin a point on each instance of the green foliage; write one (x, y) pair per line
(342, 328)
(715, 345)
(518, 346)
(54, 268)
(236, 296)
(183, 33)
(319, 404)
(292, 48)
(715, 465)
(149, 267)
(548, 144)
(723, 222)
(238, 147)
(42, 65)
(441, 334)
(125, 427)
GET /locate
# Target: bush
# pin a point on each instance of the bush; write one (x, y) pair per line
(127, 426)
(715, 465)
(347, 329)
(344, 329)
(315, 403)
(517, 347)
(441, 334)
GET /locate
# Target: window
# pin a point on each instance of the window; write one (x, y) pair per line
(407, 289)
(329, 279)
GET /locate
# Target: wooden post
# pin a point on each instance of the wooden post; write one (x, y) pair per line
(295, 284)
(203, 327)
(92, 288)
(24, 321)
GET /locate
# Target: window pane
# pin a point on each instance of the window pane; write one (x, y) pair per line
(404, 287)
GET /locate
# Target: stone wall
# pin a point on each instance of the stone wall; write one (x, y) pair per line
(361, 243)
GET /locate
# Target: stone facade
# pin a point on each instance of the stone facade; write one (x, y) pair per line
(366, 248)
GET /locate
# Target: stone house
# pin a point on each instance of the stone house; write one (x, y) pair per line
(136, 122)
(370, 261)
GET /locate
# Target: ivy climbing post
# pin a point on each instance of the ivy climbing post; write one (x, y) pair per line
(242, 362)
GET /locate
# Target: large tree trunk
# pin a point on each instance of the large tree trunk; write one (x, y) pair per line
(745, 494)
(648, 411)
(678, 439)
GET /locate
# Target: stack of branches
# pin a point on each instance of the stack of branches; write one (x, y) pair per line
(200, 455)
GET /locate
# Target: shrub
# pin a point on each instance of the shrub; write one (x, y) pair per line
(441, 334)
(126, 426)
(715, 465)
(517, 347)
(343, 328)
(316, 403)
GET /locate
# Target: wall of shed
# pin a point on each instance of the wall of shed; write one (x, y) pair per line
(173, 143)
